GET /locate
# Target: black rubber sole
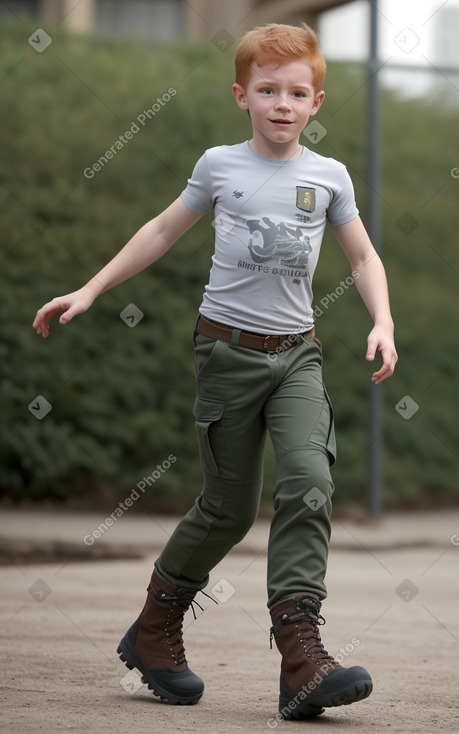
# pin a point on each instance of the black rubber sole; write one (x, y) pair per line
(132, 661)
(315, 703)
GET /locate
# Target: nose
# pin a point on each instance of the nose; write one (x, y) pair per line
(282, 102)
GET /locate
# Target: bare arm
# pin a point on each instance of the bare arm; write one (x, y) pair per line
(143, 249)
(370, 281)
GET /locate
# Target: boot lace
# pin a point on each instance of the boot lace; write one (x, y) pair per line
(309, 635)
(179, 604)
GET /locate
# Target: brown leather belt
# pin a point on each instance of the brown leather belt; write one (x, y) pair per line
(248, 339)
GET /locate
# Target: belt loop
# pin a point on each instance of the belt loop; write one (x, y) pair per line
(234, 341)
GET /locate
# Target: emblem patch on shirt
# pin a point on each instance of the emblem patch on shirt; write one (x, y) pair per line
(306, 198)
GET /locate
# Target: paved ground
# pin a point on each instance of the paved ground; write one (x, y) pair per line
(393, 589)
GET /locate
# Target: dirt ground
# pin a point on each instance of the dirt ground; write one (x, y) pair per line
(61, 623)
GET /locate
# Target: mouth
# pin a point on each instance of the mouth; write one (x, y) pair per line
(282, 122)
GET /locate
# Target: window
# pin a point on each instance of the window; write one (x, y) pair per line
(161, 19)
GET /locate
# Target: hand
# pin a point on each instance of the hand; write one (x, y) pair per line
(71, 305)
(382, 339)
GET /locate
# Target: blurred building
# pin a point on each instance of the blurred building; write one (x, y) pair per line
(446, 36)
(173, 20)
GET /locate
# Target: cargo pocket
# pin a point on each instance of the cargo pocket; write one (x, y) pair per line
(331, 439)
(214, 447)
(323, 435)
(207, 354)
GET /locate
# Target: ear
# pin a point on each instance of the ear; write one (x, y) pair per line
(318, 99)
(239, 96)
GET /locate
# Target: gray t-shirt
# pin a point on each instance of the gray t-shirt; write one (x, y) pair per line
(269, 222)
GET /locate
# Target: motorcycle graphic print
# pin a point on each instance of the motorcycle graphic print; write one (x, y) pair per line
(286, 244)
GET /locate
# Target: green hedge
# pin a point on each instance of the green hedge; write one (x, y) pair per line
(121, 397)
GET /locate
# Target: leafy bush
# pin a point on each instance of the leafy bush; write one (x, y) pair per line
(121, 397)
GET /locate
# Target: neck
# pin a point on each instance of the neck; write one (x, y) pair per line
(276, 151)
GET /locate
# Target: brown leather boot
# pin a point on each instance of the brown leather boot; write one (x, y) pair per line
(154, 643)
(310, 678)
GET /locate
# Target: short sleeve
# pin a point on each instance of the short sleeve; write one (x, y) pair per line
(198, 194)
(342, 208)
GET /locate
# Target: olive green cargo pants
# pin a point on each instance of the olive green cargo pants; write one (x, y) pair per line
(242, 393)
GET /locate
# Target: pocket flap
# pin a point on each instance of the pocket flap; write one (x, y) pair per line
(207, 411)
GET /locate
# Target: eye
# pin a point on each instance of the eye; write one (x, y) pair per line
(266, 91)
(299, 95)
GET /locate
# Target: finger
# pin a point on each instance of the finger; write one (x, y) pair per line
(40, 325)
(37, 325)
(37, 320)
(371, 350)
(384, 372)
(43, 329)
(68, 314)
(45, 314)
(380, 376)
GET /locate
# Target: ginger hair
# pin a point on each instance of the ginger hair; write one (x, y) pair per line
(279, 43)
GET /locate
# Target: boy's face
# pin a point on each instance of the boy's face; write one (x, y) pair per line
(280, 100)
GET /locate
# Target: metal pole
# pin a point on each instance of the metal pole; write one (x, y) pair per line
(375, 402)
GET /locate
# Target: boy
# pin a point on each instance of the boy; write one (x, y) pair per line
(258, 368)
